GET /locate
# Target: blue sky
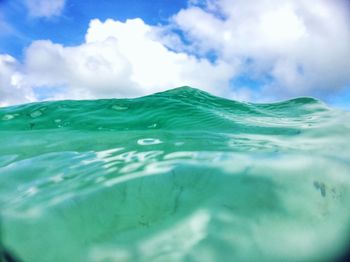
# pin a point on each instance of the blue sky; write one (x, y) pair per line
(70, 26)
(241, 49)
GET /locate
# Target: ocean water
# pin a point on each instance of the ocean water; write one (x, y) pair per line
(176, 176)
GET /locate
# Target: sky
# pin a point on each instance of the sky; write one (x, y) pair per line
(248, 50)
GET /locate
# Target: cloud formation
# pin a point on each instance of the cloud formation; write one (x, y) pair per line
(45, 8)
(298, 47)
(12, 88)
(116, 60)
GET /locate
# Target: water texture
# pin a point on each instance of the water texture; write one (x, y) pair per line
(176, 176)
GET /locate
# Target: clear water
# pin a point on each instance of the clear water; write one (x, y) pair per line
(175, 176)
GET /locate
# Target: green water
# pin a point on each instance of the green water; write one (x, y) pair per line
(176, 176)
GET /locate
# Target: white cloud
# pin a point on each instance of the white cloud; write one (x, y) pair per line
(118, 60)
(45, 8)
(12, 89)
(304, 46)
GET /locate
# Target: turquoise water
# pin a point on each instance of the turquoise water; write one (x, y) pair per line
(175, 176)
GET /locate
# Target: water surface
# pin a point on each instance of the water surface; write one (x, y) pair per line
(175, 176)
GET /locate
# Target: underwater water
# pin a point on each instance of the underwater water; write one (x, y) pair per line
(176, 176)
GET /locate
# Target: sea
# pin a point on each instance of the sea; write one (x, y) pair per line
(180, 175)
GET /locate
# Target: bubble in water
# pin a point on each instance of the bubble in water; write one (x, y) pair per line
(149, 141)
(57, 179)
(8, 117)
(153, 125)
(36, 114)
(32, 191)
(119, 108)
(58, 122)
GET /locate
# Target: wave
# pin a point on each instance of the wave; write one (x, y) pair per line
(175, 176)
